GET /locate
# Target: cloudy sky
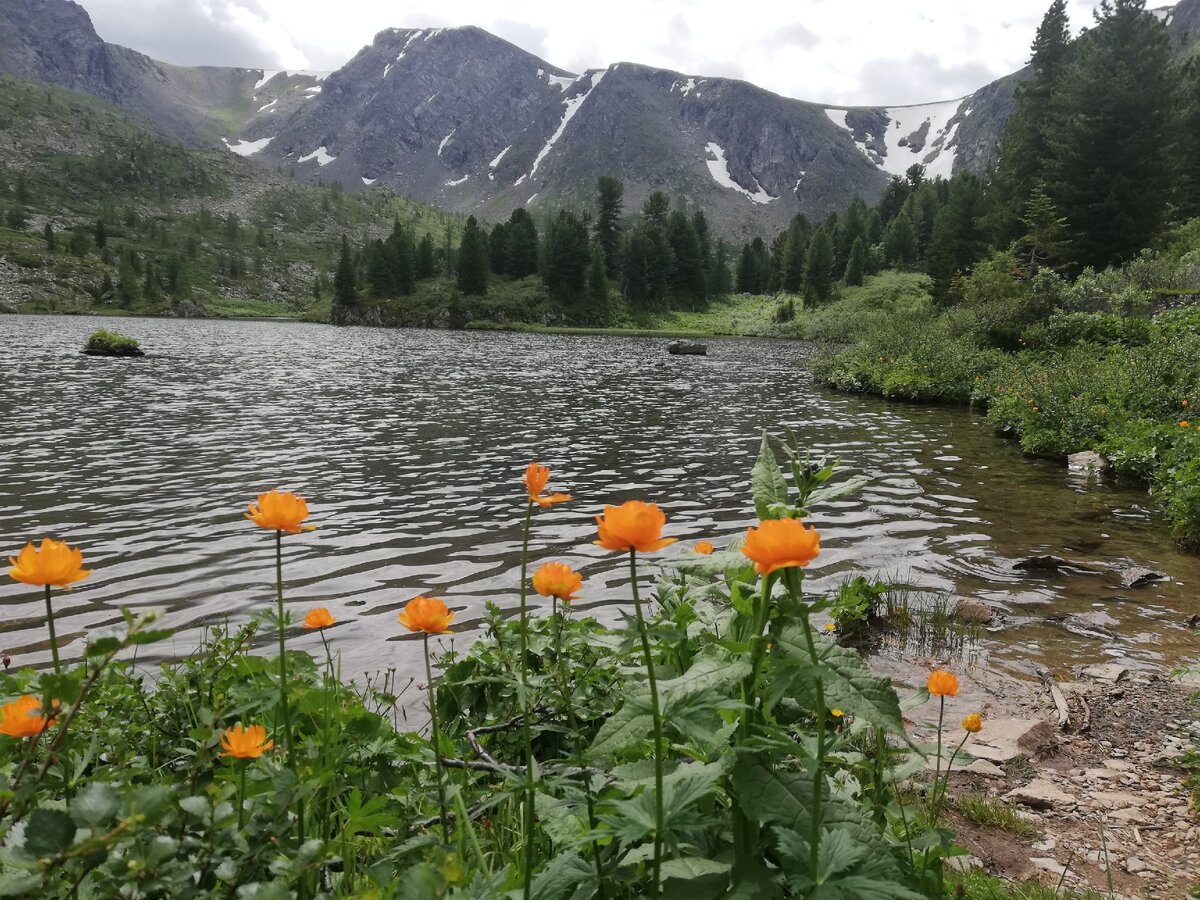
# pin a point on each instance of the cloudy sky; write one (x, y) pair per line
(837, 51)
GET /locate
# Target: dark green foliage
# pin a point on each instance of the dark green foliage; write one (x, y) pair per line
(101, 234)
(48, 237)
(521, 239)
(567, 257)
(1187, 160)
(752, 269)
(856, 265)
(687, 277)
(900, 243)
(345, 282)
(609, 197)
(958, 234)
(818, 267)
(720, 278)
(473, 260)
(656, 209)
(426, 266)
(1109, 170)
(110, 343)
(598, 282)
(1044, 241)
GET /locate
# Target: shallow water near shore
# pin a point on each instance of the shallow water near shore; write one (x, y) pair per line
(410, 446)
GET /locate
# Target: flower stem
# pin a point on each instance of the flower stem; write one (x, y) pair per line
(53, 636)
(242, 796)
(937, 764)
(283, 682)
(527, 884)
(435, 737)
(791, 579)
(657, 715)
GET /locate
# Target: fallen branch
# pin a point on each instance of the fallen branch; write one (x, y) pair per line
(1056, 694)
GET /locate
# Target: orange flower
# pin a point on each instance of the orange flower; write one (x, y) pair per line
(426, 614)
(245, 743)
(54, 563)
(280, 511)
(942, 684)
(973, 723)
(23, 717)
(781, 544)
(536, 479)
(1183, 424)
(318, 618)
(556, 579)
(704, 548)
(633, 525)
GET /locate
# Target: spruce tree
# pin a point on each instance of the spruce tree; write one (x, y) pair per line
(129, 290)
(473, 260)
(567, 257)
(851, 227)
(609, 198)
(1187, 159)
(48, 236)
(958, 234)
(426, 266)
(656, 209)
(379, 271)
(687, 277)
(900, 243)
(635, 267)
(1045, 238)
(747, 272)
(522, 237)
(1110, 175)
(498, 249)
(856, 265)
(101, 235)
(721, 280)
(598, 283)
(818, 267)
(345, 283)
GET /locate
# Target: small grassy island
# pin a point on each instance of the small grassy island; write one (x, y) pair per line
(108, 343)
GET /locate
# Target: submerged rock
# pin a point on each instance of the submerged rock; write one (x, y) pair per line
(970, 611)
(687, 348)
(1137, 576)
(1087, 461)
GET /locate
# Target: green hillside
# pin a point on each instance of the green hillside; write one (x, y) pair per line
(98, 215)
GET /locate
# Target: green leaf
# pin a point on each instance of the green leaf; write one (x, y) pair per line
(197, 806)
(48, 833)
(846, 488)
(18, 884)
(627, 727)
(95, 805)
(766, 482)
(151, 635)
(711, 671)
(692, 867)
(558, 819)
(563, 873)
(103, 646)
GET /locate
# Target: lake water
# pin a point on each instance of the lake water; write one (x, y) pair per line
(410, 446)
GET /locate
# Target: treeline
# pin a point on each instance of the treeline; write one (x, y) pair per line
(1097, 159)
(663, 258)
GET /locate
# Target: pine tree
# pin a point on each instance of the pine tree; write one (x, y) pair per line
(48, 236)
(379, 271)
(851, 227)
(129, 291)
(1045, 231)
(1024, 150)
(874, 228)
(1110, 175)
(609, 198)
(1187, 159)
(473, 260)
(892, 201)
(345, 284)
(656, 209)
(721, 280)
(818, 267)
(959, 237)
(426, 266)
(498, 249)
(101, 235)
(598, 283)
(856, 265)
(900, 243)
(687, 277)
(635, 267)
(567, 257)
(747, 272)
(522, 237)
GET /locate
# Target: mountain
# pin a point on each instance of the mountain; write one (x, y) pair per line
(464, 120)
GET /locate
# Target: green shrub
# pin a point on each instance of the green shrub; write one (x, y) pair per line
(109, 342)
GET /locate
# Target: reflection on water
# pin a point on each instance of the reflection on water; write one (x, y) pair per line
(410, 447)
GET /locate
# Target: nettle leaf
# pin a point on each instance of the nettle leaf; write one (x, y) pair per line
(151, 635)
(846, 488)
(563, 874)
(627, 727)
(48, 832)
(846, 681)
(17, 884)
(766, 482)
(95, 805)
(558, 819)
(693, 867)
(710, 672)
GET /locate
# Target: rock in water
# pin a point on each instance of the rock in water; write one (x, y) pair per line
(1137, 576)
(1087, 461)
(687, 348)
(970, 611)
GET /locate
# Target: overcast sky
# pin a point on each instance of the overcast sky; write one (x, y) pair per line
(870, 52)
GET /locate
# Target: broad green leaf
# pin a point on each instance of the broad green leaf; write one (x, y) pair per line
(48, 832)
(558, 819)
(95, 805)
(692, 867)
(561, 875)
(198, 806)
(627, 727)
(766, 482)
(847, 488)
(711, 671)
(151, 636)
(19, 884)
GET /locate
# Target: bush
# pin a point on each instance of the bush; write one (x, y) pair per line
(108, 343)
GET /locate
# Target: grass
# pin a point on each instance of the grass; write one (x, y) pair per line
(104, 341)
(988, 813)
(980, 886)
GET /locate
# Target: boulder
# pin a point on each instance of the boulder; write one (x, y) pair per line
(1113, 672)
(1005, 740)
(1087, 461)
(970, 611)
(1041, 793)
(687, 348)
(1138, 576)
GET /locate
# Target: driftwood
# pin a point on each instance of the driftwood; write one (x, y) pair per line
(1056, 694)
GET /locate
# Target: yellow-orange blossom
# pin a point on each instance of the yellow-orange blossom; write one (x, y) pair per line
(942, 684)
(426, 614)
(536, 478)
(318, 618)
(973, 723)
(781, 544)
(23, 717)
(54, 563)
(280, 511)
(245, 743)
(633, 525)
(704, 548)
(556, 579)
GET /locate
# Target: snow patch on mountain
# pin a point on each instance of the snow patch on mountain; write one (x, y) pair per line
(457, 181)
(445, 141)
(321, 155)
(718, 167)
(248, 148)
(499, 156)
(572, 106)
(411, 38)
(914, 134)
(686, 87)
(269, 105)
(368, 181)
(267, 75)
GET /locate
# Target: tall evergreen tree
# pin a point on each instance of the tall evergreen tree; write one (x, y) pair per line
(959, 237)
(101, 235)
(426, 265)
(598, 283)
(522, 244)
(720, 279)
(1187, 160)
(1045, 239)
(473, 260)
(818, 267)
(635, 268)
(851, 227)
(498, 249)
(567, 257)
(656, 209)
(48, 236)
(610, 194)
(345, 284)
(1110, 175)
(687, 275)
(129, 290)
(900, 243)
(856, 265)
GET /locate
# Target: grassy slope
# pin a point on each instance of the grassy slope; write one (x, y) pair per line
(77, 159)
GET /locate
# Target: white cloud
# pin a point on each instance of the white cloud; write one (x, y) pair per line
(823, 50)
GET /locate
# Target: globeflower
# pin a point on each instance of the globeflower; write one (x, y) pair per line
(23, 717)
(942, 684)
(427, 615)
(280, 511)
(633, 525)
(781, 544)
(973, 723)
(245, 743)
(318, 618)
(704, 548)
(556, 579)
(54, 564)
(536, 479)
